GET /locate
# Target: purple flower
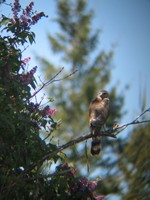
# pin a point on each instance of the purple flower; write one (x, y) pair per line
(92, 185)
(28, 9)
(36, 17)
(83, 184)
(16, 8)
(27, 18)
(80, 185)
(65, 165)
(27, 78)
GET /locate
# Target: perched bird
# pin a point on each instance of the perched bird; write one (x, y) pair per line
(98, 114)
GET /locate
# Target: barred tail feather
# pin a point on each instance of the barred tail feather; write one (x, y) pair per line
(95, 146)
(96, 142)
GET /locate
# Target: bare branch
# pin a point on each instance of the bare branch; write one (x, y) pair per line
(134, 122)
(52, 80)
(45, 84)
(67, 76)
(147, 110)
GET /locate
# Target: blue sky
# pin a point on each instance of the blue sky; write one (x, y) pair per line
(125, 24)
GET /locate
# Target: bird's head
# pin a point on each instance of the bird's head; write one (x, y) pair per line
(103, 94)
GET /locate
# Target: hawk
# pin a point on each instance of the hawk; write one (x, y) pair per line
(98, 114)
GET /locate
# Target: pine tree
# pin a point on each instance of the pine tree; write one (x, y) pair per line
(134, 163)
(78, 46)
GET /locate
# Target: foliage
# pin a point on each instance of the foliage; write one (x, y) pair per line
(134, 162)
(22, 120)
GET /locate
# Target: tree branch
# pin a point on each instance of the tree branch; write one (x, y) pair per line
(134, 122)
(107, 133)
(52, 80)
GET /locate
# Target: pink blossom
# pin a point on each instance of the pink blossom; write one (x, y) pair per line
(47, 111)
(51, 111)
(92, 185)
(100, 197)
(73, 171)
(26, 60)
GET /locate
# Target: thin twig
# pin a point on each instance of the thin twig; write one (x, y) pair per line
(134, 122)
(46, 83)
(25, 48)
(147, 110)
(67, 76)
(52, 80)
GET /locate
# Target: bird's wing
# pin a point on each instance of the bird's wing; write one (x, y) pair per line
(98, 113)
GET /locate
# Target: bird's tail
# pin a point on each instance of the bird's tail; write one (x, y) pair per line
(96, 142)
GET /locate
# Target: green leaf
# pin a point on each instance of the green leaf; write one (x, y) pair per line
(51, 99)
(31, 37)
(33, 84)
(4, 21)
(43, 124)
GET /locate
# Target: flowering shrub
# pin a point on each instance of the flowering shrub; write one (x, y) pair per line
(22, 119)
(26, 19)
